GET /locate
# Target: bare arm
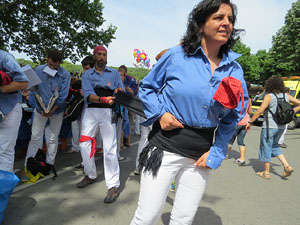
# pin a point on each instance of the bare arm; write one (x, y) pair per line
(262, 108)
(14, 86)
(296, 103)
(97, 99)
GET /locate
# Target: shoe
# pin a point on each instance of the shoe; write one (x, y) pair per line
(137, 171)
(264, 175)
(85, 182)
(240, 162)
(287, 171)
(172, 188)
(79, 167)
(112, 195)
(282, 145)
(121, 158)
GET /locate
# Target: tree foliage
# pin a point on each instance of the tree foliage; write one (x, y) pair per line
(285, 50)
(36, 26)
(248, 61)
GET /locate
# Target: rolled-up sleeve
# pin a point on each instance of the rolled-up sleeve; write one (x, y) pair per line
(225, 131)
(87, 87)
(64, 90)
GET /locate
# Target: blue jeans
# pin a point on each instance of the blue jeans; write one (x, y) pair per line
(240, 133)
(269, 147)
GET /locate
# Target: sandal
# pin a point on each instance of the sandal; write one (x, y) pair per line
(264, 175)
(287, 171)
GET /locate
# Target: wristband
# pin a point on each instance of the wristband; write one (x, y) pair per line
(104, 100)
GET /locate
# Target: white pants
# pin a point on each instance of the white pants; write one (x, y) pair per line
(119, 134)
(143, 142)
(137, 126)
(9, 128)
(96, 119)
(76, 135)
(190, 185)
(281, 140)
(37, 132)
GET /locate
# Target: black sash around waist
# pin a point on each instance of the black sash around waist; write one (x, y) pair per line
(188, 141)
(101, 92)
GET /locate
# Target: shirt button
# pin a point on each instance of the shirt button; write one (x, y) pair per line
(209, 160)
(205, 107)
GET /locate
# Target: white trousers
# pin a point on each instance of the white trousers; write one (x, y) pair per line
(137, 126)
(119, 134)
(143, 142)
(37, 132)
(281, 139)
(96, 119)
(76, 135)
(9, 128)
(190, 185)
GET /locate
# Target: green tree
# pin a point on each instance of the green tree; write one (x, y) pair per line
(249, 62)
(36, 26)
(286, 44)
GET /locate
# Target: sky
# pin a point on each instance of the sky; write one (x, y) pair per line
(159, 24)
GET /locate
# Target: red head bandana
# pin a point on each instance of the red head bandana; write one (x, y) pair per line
(229, 93)
(100, 48)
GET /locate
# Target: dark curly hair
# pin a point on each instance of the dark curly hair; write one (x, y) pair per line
(197, 18)
(274, 85)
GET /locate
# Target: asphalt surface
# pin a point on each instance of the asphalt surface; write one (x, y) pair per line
(234, 194)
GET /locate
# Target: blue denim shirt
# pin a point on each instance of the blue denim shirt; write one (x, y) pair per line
(184, 86)
(60, 82)
(9, 65)
(109, 78)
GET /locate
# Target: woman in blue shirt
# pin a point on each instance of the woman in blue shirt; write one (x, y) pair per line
(177, 97)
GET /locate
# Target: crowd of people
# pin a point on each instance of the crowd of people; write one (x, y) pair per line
(195, 100)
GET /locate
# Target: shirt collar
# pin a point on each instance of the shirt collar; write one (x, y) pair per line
(105, 69)
(226, 58)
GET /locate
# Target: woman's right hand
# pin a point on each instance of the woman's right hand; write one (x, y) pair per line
(169, 122)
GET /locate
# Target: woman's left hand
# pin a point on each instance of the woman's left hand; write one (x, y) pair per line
(201, 162)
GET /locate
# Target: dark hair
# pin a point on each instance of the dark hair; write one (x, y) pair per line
(123, 67)
(197, 18)
(274, 85)
(55, 55)
(88, 60)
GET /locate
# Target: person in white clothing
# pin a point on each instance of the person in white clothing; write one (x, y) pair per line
(12, 79)
(98, 86)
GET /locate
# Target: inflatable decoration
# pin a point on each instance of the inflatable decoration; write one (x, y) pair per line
(141, 58)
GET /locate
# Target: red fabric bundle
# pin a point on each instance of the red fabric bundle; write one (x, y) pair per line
(4, 78)
(229, 93)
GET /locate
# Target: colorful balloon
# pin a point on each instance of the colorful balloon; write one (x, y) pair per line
(141, 58)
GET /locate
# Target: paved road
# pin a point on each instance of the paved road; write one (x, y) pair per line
(234, 195)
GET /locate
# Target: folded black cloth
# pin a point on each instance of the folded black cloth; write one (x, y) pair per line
(131, 102)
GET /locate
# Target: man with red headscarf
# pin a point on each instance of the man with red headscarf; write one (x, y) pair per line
(98, 86)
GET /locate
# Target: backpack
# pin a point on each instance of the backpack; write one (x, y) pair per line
(38, 164)
(75, 105)
(284, 111)
(74, 108)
